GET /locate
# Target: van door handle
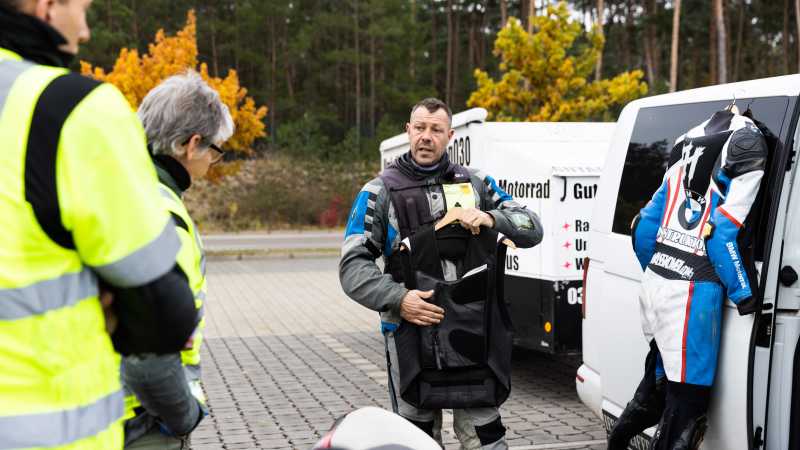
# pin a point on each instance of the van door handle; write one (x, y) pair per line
(787, 275)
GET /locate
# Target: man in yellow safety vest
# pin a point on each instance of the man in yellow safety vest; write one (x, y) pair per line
(80, 207)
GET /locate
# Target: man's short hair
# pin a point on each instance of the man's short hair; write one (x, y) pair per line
(432, 105)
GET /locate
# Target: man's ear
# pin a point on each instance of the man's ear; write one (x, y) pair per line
(450, 134)
(408, 127)
(41, 9)
(193, 146)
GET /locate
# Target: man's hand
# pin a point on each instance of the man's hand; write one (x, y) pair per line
(419, 312)
(473, 218)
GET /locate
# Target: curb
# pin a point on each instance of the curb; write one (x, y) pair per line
(280, 253)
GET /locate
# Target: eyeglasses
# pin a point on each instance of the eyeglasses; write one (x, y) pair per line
(215, 158)
(218, 156)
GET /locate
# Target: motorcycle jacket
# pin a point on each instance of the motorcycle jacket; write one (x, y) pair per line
(465, 360)
(689, 229)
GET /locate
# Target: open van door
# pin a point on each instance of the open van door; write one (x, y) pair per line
(614, 348)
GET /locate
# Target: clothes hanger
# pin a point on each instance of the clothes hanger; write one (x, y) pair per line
(748, 112)
(732, 107)
(452, 215)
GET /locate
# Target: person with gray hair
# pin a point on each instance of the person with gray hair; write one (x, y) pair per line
(186, 123)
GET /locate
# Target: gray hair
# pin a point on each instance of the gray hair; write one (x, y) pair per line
(180, 107)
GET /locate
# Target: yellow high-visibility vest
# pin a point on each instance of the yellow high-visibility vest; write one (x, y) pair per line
(78, 198)
(191, 259)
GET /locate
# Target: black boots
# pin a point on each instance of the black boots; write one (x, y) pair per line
(679, 409)
(684, 422)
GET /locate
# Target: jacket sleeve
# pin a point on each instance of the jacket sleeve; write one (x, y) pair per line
(160, 385)
(518, 223)
(644, 228)
(368, 236)
(108, 190)
(739, 180)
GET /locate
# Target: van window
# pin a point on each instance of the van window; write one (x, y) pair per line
(654, 133)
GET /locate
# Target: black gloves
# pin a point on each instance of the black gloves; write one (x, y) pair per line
(748, 305)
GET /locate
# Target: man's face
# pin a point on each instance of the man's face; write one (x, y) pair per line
(428, 134)
(69, 18)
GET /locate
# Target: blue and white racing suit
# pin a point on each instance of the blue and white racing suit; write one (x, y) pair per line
(685, 238)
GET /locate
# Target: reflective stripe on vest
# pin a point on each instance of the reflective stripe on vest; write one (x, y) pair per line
(9, 71)
(55, 428)
(129, 271)
(47, 295)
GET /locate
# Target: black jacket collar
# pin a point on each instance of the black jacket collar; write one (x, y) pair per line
(172, 173)
(413, 171)
(32, 39)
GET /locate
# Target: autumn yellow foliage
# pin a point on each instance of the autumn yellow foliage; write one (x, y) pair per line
(135, 75)
(545, 73)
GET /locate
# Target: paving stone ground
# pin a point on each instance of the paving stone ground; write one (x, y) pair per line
(286, 353)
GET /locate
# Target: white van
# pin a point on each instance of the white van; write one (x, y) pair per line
(553, 169)
(754, 404)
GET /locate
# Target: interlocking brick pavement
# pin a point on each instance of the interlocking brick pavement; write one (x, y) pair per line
(286, 353)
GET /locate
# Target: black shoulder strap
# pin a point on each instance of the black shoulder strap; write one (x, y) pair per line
(409, 201)
(409, 198)
(55, 104)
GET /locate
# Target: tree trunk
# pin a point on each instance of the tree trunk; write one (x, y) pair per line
(434, 55)
(504, 13)
(481, 40)
(472, 59)
(654, 44)
(287, 65)
(712, 47)
(456, 52)
(531, 14)
(523, 8)
(412, 67)
(598, 70)
(676, 28)
(740, 41)
(236, 34)
(797, 22)
(372, 86)
(785, 36)
(109, 16)
(448, 83)
(135, 23)
(272, 77)
(214, 60)
(649, 57)
(358, 73)
(722, 53)
(629, 34)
